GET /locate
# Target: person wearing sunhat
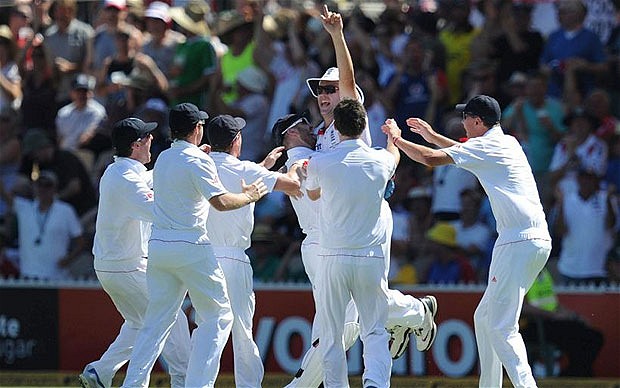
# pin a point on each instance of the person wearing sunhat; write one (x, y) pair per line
(230, 233)
(244, 35)
(523, 244)
(181, 258)
(122, 231)
(11, 91)
(195, 60)
(448, 265)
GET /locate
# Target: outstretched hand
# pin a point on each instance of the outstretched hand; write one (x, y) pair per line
(272, 157)
(421, 127)
(255, 191)
(332, 21)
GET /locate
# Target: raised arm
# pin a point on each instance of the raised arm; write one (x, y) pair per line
(332, 22)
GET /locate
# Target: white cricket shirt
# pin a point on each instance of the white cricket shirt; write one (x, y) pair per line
(306, 209)
(124, 216)
(499, 163)
(184, 179)
(352, 178)
(234, 228)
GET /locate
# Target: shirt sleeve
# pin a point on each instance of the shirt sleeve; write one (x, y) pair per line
(468, 154)
(139, 197)
(206, 178)
(253, 171)
(312, 180)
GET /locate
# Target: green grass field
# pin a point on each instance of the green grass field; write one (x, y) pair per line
(59, 379)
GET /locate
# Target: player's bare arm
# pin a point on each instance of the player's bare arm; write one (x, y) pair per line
(421, 154)
(231, 201)
(425, 130)
(332, 22)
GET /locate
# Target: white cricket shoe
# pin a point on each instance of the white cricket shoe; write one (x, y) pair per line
(426, 333)
(90, 379)
(399, 339)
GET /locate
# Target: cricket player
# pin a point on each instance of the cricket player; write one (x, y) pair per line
(123, 228)
(406, 314)
(181, 258)
(230, 234)
(523, 243)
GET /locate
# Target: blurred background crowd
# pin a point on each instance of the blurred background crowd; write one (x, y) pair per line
(70, 69)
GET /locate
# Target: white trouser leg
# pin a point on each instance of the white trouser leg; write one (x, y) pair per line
(248, 366)
(500, 308)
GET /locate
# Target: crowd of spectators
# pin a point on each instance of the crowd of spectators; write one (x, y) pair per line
(69, 70)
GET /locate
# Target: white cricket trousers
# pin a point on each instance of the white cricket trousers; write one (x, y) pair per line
(341, 277)
(514, 267)
(176, 267)
(128, 292)
(249, 369)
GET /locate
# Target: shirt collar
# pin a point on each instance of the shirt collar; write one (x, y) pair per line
(131, 164)
(297, 153)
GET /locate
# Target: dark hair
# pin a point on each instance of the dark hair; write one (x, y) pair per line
(123, 152)
(350, 117)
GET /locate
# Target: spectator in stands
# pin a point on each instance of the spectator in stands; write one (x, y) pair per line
(457, 37)
(585, 223)
(69, 47)
(448, 265)
(544, 317)
(289, 64)
(472, 235)
(50, 234)
(162, 41)
(10, 85)
(416, 89)
(518, 48)
(449, 181)
(597, 103)
(74, 184)
(253, 105)
(480, 77)
(77, 122)
(576, 148)
(572, 55)
(376, 104)
(20, 19)
(612, 177)
(195, 61)
(537, 121)
(38, 109)
(240, 33)
(113, 18)
(10, 154)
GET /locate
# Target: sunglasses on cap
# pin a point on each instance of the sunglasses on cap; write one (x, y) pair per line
(327, 89)
(300, 120)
